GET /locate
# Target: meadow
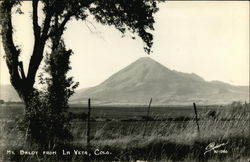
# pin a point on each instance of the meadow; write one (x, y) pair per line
(124, 134)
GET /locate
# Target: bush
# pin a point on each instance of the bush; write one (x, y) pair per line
(47, 118)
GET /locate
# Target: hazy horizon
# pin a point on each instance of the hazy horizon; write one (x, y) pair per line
(188, 38)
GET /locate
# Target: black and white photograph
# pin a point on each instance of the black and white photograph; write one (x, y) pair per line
(124, 80)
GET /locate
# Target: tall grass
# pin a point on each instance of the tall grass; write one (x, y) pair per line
(173, 140)
(166, 140)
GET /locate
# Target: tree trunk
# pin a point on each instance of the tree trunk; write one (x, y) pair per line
(44, 120)
(22, 84)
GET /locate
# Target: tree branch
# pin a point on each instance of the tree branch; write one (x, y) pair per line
(37, 54)
(10, 49)
(37, 28)
(61, 26)
(35, 60)
(46, 24)
(21, 70)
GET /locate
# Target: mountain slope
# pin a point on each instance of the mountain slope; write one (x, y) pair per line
(8, 93)
(146, 78)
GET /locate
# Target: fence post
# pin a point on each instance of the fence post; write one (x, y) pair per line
(196, 118)
(88, 123)
(149, 107)
(246, 107)
(147, 117)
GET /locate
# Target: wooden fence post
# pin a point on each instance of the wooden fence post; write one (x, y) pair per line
(196, 118)
(149, 107)
(88, 123)
(147, 117)
(246, 107)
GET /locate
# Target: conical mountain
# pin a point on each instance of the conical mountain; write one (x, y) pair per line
(146, 78)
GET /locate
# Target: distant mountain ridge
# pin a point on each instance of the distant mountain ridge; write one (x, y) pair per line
(146, 78)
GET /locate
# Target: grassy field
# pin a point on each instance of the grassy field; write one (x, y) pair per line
(122, 134)
(114, 112)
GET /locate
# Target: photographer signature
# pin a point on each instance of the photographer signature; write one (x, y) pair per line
(212, 147)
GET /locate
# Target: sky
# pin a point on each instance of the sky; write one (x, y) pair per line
(208, 38)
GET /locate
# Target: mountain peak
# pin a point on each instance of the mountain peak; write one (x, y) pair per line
(145, 60)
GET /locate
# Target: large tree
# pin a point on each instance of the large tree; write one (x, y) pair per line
(135, 16)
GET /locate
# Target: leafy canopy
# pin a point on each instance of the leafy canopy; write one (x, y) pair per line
(135, 16)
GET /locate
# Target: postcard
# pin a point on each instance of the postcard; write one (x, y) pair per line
(117, 80)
